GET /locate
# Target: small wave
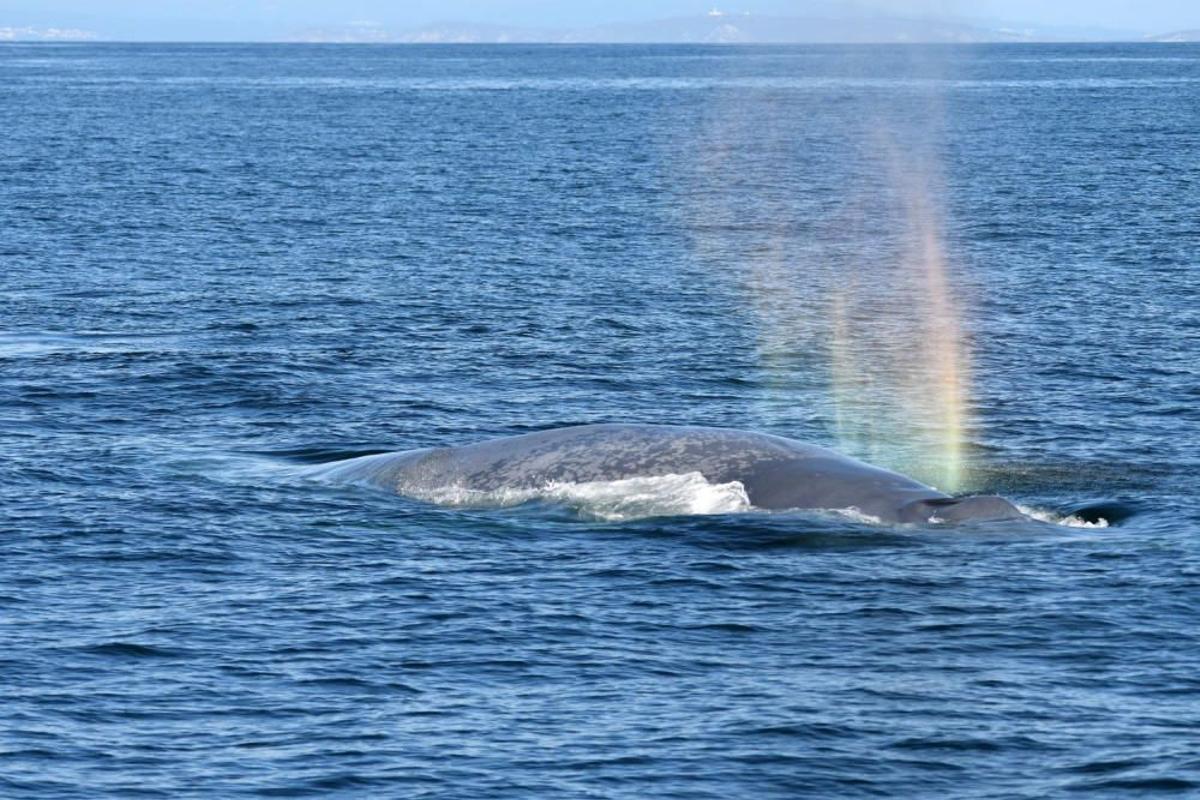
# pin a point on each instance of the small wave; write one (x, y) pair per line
(1164, 784)
(130, 650)
(315, 455)
(17, 344)
(611, 501)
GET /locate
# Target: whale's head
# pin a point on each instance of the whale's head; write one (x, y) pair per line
(976, 508)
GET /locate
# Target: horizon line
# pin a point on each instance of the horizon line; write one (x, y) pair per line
(1148, 39)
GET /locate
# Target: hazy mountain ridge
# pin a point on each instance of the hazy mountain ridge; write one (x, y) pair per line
(719, 28)
(819, 24)
(1177, 36)
(30, 34)
(722, 29)
(746, 28)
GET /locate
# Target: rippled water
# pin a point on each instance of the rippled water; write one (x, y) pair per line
(221, 264)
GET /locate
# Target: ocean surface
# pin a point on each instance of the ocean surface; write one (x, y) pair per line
(223, 265)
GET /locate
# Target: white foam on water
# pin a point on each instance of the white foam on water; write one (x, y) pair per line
(854, 515)
(611, 501)
(1068, 520)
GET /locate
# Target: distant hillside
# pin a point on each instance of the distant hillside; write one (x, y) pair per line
(746, 28)
(358, 33)
(1177, 36)
(821, 23)
(468, 33)
(10, 34)
(728, 29)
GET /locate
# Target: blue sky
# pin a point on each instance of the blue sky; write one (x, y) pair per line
(223, 19)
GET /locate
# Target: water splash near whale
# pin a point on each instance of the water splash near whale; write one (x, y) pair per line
(685, 494)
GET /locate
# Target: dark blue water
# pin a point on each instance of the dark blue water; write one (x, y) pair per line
(219, 264)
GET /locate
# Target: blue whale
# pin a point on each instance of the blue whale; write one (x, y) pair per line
(776, 472)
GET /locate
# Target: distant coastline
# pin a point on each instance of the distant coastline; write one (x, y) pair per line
(720, 28)
(715, 27)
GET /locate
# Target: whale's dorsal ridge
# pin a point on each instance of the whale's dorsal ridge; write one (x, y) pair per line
(776, 472)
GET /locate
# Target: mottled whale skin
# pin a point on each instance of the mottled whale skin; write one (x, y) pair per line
(777, 473)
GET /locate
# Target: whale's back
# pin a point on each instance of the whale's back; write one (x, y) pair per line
(609, 452)
(776, 473)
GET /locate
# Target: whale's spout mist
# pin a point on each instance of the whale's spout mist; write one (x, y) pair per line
(899, 364)
(827, 193)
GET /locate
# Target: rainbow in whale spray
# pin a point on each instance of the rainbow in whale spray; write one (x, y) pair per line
(899, 364)
(849, 278)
